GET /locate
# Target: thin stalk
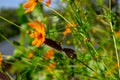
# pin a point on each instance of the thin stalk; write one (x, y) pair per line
(100, 57)
(115, 47)
(114, 40)
(9, 75)
(7, 40)
(60, 15)
(85, 65)
(9, 22)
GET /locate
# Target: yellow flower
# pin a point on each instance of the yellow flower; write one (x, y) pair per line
(30, 5)
(38, 34)
(49, 54)
(68, 42)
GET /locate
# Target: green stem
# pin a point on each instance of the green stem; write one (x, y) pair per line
(9, 22)
(114, 40)
(7, 40)
(60, 15)
(9, 75)
(115, 47)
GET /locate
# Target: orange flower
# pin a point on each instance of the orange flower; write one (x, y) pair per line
(30, 5)
(49, 54)
(38, 34)
(118, 33)
(30, 55)
(1, 59)
(94, 30)
(48, 2)
(67, 31)
(51, 66)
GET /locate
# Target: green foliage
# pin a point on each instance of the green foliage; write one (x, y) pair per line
(90, 51)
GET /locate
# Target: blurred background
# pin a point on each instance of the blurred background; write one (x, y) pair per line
(14, 12)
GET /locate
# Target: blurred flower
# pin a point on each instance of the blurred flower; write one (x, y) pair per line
(94, 30)
(1, 59)
(30, 55)
(38, 34)
(49, 54)
(96, 57)
(30, 5)
(115, 66)
(67, 31)
(68, 41)
(51, 66)
(118, 33)
(48, 3)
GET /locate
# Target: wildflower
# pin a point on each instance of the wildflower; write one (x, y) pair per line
(1, 59)
(67, 31)
(30, 5)
(118, 33)
(38, 34)
(30, 55)
(48, 3)
(49, 55)
(51, 66)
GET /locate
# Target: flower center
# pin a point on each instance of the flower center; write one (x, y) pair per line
(39, 36)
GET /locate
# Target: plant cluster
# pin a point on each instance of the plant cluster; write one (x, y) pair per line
(78, 41)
